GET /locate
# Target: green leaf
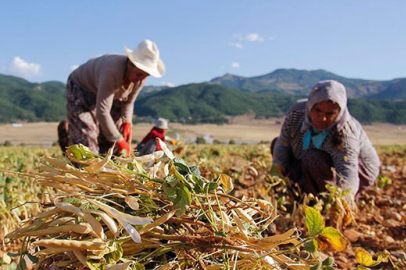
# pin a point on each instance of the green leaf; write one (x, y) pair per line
(316, 267)
(9, 180)
(199, 184)
(95, 264)
(183, 200)
(172, 180)
(22, 265)
(74, 149)
(221, 233)
(210, 186)
(179, 195)
(327, 267)
(137, 266)
(336, 240)
(178, 175)
(80, 152)
(311, 246)
(314, 221)
(364, 258)
(195, 170)
(147, 205)
(170, 192)
(181, 164)
(328, 261)
(116, 255)
(32, 258)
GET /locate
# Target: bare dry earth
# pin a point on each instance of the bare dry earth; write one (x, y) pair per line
(241, 129)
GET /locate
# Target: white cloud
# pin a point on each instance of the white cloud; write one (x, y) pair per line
(168, 84)
(235, 64)
(236, 44)
(240, 39)
(253, 37)
(22, 68)
(73, 67)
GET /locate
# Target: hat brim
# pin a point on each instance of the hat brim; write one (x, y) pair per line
(157, 72)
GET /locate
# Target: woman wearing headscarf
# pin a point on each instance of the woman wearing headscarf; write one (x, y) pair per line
(321, 143)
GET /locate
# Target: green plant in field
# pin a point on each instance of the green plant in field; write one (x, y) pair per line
(321, 238)
(366, 261)
(15, 189)
(383, 181)
(336, 204)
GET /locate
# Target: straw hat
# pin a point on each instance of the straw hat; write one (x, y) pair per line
(146, 57)
(161, 123)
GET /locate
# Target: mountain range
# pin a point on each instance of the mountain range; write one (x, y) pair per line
(266, 96)
(299, 82)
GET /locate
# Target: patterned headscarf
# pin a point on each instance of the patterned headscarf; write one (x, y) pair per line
(325, 91)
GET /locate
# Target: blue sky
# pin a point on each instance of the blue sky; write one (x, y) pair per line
(200, 40)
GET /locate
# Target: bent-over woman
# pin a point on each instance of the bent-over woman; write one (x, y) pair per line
(321, 143)
(149, 143)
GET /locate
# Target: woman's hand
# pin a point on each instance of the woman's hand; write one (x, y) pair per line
(123, 148)
(127, 132)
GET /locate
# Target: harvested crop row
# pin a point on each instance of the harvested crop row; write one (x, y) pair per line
(152, 212)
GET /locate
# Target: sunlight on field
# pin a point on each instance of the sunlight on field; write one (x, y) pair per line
(376, 226)
(241, 130)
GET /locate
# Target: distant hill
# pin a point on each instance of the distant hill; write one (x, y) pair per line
(22, 100)
(299, 82)
(396, 90)
(268, 95)
(151, 89)
(202, 103)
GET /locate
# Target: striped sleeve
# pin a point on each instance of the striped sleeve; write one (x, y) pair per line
(346, 163)
(282, 153)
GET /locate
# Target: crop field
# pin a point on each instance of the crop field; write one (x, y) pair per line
(206, 207)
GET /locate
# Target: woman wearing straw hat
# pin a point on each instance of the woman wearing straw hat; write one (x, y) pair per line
(150, 144)
(101, 94)
(321, 143)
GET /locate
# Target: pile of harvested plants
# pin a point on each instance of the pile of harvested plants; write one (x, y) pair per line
(150, 212)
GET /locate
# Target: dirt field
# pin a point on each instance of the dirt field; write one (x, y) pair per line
(241, 129)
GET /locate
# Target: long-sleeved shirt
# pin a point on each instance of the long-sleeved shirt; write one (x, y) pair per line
(356, 146)
(103, 76)
(153, 134)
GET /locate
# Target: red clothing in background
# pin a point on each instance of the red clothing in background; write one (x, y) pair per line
(153, 134)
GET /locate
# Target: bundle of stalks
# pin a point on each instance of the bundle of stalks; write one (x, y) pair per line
(150, 212)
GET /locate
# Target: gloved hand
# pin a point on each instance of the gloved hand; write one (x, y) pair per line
(123, 148)
(127, 132)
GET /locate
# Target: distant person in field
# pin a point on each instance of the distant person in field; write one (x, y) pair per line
(101, 94)
(321, 143)
(150, 143)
